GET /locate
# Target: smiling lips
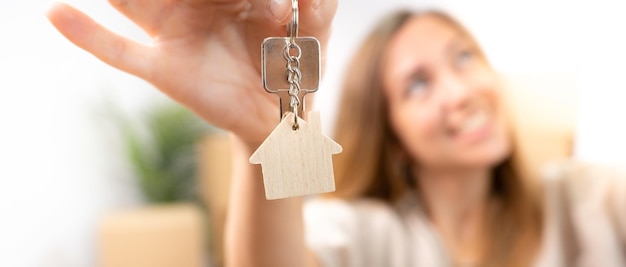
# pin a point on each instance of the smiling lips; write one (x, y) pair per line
(472, 129)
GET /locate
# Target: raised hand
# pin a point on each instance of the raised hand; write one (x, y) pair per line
(204, 53)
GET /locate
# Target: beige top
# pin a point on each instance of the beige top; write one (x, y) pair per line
(585, 225)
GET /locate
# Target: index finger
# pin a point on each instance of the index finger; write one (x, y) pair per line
(315, 16)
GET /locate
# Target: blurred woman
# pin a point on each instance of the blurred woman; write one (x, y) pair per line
(428, 166)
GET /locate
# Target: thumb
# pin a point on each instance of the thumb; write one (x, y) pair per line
(279, 10)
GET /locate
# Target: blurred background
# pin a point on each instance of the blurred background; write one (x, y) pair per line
(75, 188)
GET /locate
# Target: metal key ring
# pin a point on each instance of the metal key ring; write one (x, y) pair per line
(293, 26)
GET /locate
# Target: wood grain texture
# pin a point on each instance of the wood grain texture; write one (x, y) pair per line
(296, 163)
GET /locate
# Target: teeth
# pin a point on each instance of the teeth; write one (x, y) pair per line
(473, 123)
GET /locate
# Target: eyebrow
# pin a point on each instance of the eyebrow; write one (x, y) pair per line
(456, 41)
(417, 70)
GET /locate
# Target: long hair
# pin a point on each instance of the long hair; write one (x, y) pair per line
(371, 163)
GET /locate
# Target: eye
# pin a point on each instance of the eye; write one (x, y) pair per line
(464, 57)
(417, 85)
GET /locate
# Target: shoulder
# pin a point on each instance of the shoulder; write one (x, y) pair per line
(339, 209)
(587, 203)
(582, 183)
(352, 233)
(349, 216)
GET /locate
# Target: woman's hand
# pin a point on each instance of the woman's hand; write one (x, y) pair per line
(204, 53)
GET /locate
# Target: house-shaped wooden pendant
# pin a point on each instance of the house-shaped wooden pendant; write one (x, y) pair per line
(297, 162)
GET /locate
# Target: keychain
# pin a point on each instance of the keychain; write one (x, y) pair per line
(296, 158)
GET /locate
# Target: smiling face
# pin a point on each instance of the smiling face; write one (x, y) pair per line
(443, 97)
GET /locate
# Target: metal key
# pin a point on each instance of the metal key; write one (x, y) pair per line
(275, 65)
(296, 157)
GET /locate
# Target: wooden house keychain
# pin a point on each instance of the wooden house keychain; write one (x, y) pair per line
(296, 158)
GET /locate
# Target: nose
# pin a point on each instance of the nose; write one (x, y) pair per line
(457, 92)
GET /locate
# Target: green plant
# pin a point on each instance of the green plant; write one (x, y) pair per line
(163, 155)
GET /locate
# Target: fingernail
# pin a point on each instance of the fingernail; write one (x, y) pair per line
(279, 9)
(316, 4)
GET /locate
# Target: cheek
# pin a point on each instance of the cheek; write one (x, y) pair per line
(490, 90)
(488, 93)
(417, 127)
(499, 145)
(487, 84)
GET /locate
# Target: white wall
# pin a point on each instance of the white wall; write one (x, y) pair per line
(60, 169)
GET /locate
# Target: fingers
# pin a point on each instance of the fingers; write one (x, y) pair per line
(109, 47)
(280, 10)
(315, 16)
(145, 13)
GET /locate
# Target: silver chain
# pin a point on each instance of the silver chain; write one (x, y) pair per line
(292, 53)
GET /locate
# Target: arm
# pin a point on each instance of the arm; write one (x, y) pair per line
(205, 54)
(261, 232)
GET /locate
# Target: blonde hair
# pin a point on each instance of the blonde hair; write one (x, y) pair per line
(372, 163)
